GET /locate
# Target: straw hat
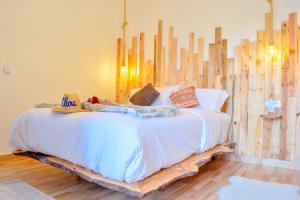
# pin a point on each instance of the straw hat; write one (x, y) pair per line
(70, 103)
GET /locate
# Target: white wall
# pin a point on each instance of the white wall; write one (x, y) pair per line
(53, 47)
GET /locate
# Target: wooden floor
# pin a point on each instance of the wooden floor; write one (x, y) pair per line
(205, 185)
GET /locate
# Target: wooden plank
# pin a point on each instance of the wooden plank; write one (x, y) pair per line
(224, 63)
(174, 67)
(260, 90)
(155, 59)
(182, 65)
(205, 74)
(188, 167)
(293, 45)
(164, 69)
(230, 85)
(190, 56)
(200, 61)
(170, 56)
(292, 85)
(142, 75)
(253, 108)
(195, 68)
(291, 127)
(268, 58)
(276, 72)
(118, 70)
(284, 84)
(237, 95)
(212, 65)
(130, 73)
(244, 96)
(159, 51)
(218, 51)
(297, 148)
(134, 66)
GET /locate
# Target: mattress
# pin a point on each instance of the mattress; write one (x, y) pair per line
(119, 146)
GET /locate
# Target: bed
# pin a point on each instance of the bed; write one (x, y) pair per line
(119, 151)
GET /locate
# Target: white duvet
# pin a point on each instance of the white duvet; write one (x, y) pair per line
(119, 146)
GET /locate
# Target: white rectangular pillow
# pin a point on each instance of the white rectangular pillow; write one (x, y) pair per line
(164, 97)
(211, 99)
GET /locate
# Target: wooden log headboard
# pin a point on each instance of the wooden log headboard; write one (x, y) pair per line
(251, 78)
(192, 69)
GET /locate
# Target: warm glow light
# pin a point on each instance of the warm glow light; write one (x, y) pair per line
(124, 69)
(272, 50)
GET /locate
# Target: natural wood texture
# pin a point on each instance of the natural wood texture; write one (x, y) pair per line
(161, 179)
(203, 186)
(254, 77)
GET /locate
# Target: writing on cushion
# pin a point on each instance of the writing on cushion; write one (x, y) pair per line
(66, 103)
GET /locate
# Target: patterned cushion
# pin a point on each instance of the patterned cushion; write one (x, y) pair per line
(144, 97)
(185, 98)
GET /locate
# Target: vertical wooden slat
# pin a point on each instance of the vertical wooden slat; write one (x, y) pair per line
(293, 33)
(297, 148)
(260, 89)
(141, 76)
(237, 96)
(159, 52)
(212, 65)
(284, 84)
(253, 109)
(170, 55)
(224, 62)
(129, 73)
(174, 67)
(164, 68)
(229, 86)
(244, 96)
(195, 68)
(201, 61)
(205, 74)
(268, 59)
(155, 59)
(275, 150)
(182, 65)
(190, 57)
(118, 70)
(134, 66)
(292, 81)
(218, 51)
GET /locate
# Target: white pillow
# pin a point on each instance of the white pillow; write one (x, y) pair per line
(164, 97)
(211, 99)
(164, 94)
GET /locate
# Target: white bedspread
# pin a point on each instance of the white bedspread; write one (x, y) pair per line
(119, 146)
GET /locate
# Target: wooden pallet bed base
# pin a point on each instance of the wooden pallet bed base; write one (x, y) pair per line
(159, 180)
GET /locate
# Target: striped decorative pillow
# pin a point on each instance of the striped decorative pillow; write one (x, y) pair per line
(185, 98)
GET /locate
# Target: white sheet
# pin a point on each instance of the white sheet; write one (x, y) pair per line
(118, 146)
